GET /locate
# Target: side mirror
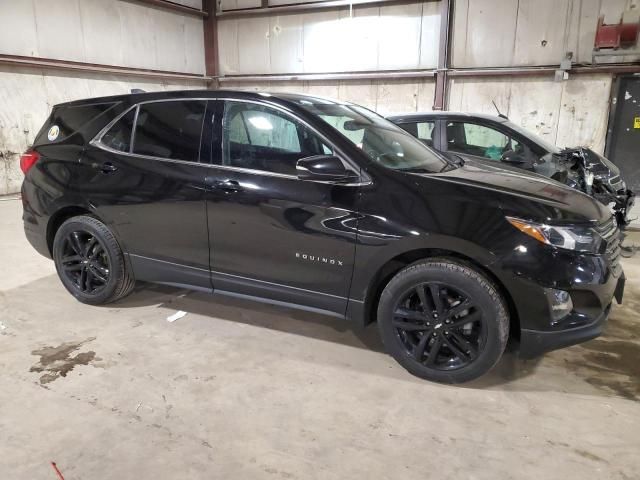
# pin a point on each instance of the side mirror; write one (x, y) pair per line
(326, 168)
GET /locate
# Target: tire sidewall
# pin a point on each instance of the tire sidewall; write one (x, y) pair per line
(482, 294)
(90, 225)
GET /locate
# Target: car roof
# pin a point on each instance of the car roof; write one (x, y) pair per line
(226, 93)
(440, 114)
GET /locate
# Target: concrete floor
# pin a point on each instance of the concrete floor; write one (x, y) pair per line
(243, 390)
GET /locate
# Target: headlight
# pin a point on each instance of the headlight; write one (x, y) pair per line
(581, 239)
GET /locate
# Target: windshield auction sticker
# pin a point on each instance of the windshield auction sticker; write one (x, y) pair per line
(636, 122)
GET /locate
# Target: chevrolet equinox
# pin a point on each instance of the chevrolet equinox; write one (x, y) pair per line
(325, 206)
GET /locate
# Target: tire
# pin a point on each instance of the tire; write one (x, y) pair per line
(89, 261)
(467, 328)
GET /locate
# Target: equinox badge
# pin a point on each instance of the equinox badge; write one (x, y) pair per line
(319, 259)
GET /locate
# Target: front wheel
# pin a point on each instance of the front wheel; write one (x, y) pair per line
(443, 321)
(89, 261)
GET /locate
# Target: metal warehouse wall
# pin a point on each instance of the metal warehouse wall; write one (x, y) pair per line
(405, 36)
(115, 33)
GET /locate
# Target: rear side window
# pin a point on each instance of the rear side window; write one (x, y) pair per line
(118, 137)
(170, 129)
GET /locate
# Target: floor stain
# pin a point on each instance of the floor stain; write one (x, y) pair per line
(589, 455)
(56, 362)
(610, 362)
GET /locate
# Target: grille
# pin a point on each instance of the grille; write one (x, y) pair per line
(608, 230)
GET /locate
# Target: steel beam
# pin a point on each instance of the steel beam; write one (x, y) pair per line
(544, 70)
(37, 62)
(176, 7)
(298, 7)
(371, 75)
(440, 96)
(210, 24)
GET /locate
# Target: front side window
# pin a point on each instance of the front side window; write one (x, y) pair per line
(423, 131)
(479, 140)
(258, 137)
(384, 142)
(170, 129)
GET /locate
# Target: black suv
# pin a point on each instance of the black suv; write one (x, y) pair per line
(496, 139)
(324, 206)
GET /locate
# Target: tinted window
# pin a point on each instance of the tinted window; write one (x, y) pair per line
(170, 129)
(384, 142)
(422, 130)
(479, 140)
(262, 138)
(69, 119)
(119, 135)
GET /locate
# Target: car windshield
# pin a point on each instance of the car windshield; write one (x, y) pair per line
(381, 140)
(549, 147)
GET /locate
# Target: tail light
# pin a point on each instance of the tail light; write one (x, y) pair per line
(28, 160)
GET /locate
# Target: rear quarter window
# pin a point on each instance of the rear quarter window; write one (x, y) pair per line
(65, 120)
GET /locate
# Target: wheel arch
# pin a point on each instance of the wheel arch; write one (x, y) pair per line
(61, 216)
(389, 269)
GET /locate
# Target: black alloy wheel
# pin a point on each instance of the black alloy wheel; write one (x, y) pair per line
(90, 262)
(439, 326)
(443, 320)
(85, 262)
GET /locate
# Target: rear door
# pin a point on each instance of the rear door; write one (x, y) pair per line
(144, 178)
(273, 235)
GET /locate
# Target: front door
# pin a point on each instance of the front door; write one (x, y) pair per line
(145, 180)
(273, 235)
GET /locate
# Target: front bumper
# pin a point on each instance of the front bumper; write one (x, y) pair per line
(577, 328)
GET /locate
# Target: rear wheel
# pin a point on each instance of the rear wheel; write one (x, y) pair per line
(89, 261)
(443, 321)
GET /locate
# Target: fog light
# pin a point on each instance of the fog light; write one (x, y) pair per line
(559, 302)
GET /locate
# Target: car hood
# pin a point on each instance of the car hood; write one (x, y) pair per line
(542, 199)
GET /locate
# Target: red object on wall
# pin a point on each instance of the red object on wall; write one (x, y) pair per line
(615, 35)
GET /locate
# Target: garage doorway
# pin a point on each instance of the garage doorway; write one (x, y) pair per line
(623, 145)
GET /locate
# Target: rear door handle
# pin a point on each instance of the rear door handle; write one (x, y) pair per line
(108, 167)
(227, 186)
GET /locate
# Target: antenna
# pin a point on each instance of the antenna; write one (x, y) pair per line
(498, 110)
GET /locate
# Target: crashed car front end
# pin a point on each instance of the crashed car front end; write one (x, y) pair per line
(585, 170)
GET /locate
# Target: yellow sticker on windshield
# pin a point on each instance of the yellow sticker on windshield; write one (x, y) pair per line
(636, 122)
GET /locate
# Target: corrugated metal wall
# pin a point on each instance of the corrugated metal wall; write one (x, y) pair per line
(111, 32)
(485, 34)
(388, 37)
(498, 33)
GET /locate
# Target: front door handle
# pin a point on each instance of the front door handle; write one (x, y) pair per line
(108, 167)
(227, 186)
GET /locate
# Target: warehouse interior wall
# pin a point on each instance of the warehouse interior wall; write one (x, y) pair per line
(404, 37)
(395, 48)
(103, 32)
